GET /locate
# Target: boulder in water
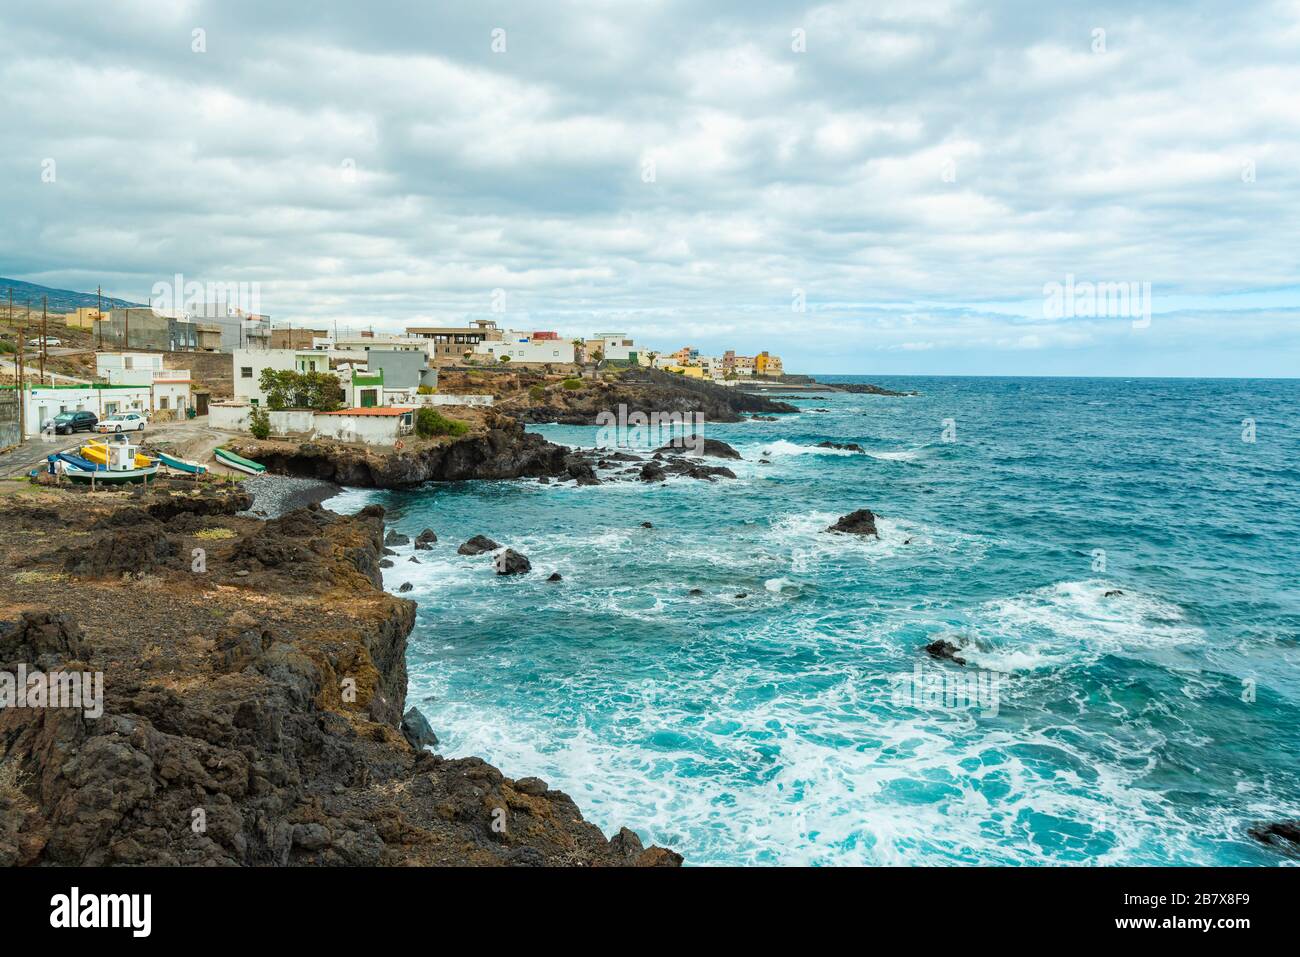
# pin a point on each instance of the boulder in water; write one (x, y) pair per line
(861, 522)
(477, 546)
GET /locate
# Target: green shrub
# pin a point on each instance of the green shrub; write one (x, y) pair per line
(259, 423)
(430, 423)
(572, 384)
(536, 392)
(7, 347)
(504, 359)
(426, 390)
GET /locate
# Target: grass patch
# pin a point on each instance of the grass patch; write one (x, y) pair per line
(215, 534)
(36, 578)
(430, 423)
(572, 384)
(536, 392)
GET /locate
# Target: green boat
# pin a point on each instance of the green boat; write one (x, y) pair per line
(182, 465)
(226, 457)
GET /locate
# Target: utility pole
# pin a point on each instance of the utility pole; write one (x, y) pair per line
(19, 386)
(99, 315)
(45, 308)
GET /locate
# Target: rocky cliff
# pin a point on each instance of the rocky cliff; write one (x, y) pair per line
(638, 390)
(253, 686)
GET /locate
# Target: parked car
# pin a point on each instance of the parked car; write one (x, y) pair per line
(123, 422)
(65, 423)
(49, 341)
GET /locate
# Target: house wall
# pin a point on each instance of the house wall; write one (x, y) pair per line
(520, 347)
(451, 399)
(247, 366)
(402, 370)
(229, 416)
(45, 402)
(292, 421)
(370, 429)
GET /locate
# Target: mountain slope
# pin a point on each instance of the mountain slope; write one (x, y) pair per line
(60, 300)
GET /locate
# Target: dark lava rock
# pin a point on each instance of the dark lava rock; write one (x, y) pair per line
(535, 787)
(543, 481)
(844, 447)
(647, 525)
(743, 594)
(397, 538)
(861, 522)
(653, 472)
(1113, 593)
(511, 562)
(710, 472)
(944, 651)
(694, 445)
(1281, 834)
(425, 540)
(41, 639)
(763, 418)
(580, 470)
(555, 577)
(413, 560)
(416, 729)
(386, 563)
(696, 591)
(477, 546)
(405, 587)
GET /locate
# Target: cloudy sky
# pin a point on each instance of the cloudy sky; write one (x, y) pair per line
(859, 187)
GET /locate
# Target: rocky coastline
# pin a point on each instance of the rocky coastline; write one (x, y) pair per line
(252, 707)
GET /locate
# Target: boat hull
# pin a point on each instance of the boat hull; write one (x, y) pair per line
(238, 462)
(182, 465)
(107, 477)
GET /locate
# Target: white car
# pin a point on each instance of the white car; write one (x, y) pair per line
(122, 422)
(49, 341)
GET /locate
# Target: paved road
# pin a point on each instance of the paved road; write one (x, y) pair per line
(191, 439)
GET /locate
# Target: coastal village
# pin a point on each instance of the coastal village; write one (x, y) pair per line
(130, 368)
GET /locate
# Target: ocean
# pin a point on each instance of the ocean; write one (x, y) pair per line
(1116, 560)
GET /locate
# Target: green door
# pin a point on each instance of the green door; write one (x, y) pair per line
(369, 398)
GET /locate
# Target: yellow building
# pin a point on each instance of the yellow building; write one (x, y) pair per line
(691, 372)
(83, 318)
(767, 364)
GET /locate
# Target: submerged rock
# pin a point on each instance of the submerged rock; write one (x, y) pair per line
(647, 525)
(944, 651)
(405, 587)
(861, 522)
(477, 546)
(555, 577)
(511, 562)
(1284, 835)
(425, 540)
(397, 538)
(653, 472)
(842, 446)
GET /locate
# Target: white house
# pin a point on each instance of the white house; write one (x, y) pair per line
(612, 345)
(526, 347)
(170, 389)
(373, 426)
(44, 402)
(249, 363)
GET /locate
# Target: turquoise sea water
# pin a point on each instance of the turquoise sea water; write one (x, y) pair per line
(771, 729)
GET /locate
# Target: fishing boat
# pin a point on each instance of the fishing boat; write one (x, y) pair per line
(97, 452)
(120, 468)
(226, 457)
(182, 465)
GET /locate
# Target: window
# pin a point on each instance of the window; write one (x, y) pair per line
(246, 372)
(162, 402)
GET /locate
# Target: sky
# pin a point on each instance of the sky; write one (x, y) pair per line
(921, 187)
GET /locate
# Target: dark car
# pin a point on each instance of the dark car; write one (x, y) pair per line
(65, 423)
